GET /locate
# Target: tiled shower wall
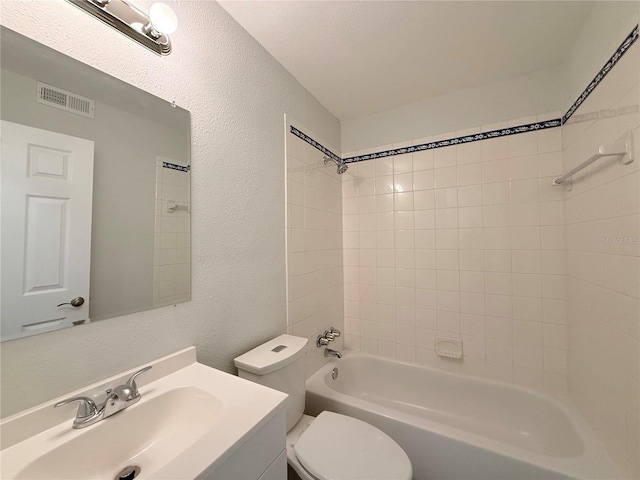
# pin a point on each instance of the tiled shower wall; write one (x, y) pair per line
(314, 247)
(172, 252)
(463, 242)
(603, 248)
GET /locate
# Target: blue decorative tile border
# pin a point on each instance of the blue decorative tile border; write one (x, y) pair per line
(553, 123)
(313, 143)
(530, 127)
(624, 46)
(173, 166)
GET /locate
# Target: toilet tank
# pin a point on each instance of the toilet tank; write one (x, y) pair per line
(279, 364)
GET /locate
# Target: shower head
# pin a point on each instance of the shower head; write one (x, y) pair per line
(341, 166)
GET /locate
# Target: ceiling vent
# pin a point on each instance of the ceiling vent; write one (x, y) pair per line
(67, 101)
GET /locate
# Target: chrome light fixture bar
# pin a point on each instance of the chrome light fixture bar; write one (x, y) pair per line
(150, 31)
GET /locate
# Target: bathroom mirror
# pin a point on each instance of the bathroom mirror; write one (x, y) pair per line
(95, 194)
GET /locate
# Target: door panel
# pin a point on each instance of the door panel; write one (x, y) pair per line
(47, 186)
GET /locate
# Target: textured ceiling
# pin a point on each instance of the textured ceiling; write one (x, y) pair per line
(363, 57)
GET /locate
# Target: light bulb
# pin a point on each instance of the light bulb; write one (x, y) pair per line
(163, 19)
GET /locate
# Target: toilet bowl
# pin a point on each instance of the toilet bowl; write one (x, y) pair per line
(330, 446)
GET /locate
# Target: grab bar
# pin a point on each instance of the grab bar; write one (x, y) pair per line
(622, 147)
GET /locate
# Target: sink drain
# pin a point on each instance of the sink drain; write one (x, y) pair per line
(128, 473)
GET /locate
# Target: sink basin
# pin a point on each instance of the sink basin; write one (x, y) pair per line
(146, 434)
(188, 421)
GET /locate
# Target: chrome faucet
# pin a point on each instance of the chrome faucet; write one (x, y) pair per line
(116, 399)
(330, 352)
(327, 336)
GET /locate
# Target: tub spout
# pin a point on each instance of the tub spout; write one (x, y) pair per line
(330, 352)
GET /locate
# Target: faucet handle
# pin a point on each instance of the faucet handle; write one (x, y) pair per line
(87, 407)
(131, 383)
(323, 339)
(334, 332)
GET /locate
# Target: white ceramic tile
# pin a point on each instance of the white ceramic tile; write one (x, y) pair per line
(447, 260)
(383, 166)
(469, 174)
(470, 238)
(523, 191)
(472, 303)
(495, 171)
(469, 196)
(469, 153)
(383, 184)
(424, 199)
(446, 238)
(497, 215)
(446, 197)
(403, 220)
(470, 217)
(423, 160)
(497, 260)
(403, 182)
(496, 193)
(525, 238)
(444, 157)
(402, 163)
(446, 217)
(449, 319)
(497, 238)
(521, 168)
(472, 281)
(527, 284)
(471, 260)
(403, 201)
(526, 214)
(527, 308)
(425, 239)
(423, 180)
(404, 239)
(445, 177)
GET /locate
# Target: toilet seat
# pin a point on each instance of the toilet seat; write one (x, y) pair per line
(338, 447)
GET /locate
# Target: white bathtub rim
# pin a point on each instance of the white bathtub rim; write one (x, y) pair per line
(593, 462)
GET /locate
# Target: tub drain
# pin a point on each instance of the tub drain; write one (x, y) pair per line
(128, 473)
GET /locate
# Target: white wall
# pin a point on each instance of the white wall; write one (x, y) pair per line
(237, 95)
(514, 98)
(604, 30)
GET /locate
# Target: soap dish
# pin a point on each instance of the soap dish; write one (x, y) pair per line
(449, 347)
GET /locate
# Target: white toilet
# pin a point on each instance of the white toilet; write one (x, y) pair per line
(329, 446)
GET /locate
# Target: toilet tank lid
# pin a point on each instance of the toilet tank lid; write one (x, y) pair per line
(272, 355)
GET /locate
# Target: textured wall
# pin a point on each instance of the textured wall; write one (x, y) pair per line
(237, 95)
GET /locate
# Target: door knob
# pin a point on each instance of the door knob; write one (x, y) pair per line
(76, 302)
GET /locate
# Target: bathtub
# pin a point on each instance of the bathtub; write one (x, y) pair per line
(458, 427)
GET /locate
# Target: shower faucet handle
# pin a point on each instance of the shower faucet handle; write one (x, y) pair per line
(327, 336)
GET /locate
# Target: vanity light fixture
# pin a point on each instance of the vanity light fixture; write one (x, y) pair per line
(151, 30)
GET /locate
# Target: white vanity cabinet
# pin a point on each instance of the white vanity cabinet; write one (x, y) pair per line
(263, 456)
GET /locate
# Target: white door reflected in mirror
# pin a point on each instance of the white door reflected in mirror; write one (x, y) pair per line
(47, 188)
